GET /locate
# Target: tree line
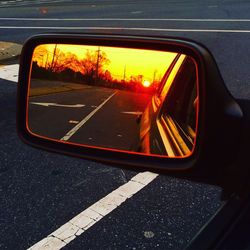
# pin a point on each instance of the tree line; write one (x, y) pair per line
(58, 65)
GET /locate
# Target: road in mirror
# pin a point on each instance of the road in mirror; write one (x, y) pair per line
(133, 100)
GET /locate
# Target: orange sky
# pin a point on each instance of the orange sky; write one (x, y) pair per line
(135, 61)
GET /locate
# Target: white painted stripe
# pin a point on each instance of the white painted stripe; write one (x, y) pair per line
(9, 72)
(125, 19)
(18, 3)
(136, 12)
(132, 112)
(123, 28)
(86, 219)
(81, 123)
(49, 104)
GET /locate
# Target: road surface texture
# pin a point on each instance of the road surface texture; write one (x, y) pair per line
(41, 191)
(107, 117)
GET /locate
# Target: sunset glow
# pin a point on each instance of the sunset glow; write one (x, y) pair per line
(122, 64)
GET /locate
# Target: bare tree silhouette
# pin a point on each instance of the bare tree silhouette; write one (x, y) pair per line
(92, 66)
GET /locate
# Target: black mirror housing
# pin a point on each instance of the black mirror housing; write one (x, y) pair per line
(220, 117)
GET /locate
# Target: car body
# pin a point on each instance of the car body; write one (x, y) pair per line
(168, 124)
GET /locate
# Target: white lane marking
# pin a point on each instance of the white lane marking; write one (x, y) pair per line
(125, 19)
(136, 12)
(86, 219)
(9, 72)
(73, 122)
(132, 113)
(18, 3)
(49, 104)
(81, 123)
(123, 28)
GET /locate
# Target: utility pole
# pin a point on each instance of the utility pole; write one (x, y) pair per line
(53, 59)
(124, 73)
(97, 63)
(46, 63)
(154, 75)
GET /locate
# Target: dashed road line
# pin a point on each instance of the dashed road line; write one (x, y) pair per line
(132, 112)
(90, 216)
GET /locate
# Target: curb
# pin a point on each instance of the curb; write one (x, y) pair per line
(9, 50)
(53, 90)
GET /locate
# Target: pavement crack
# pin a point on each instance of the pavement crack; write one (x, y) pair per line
(123, 196)
(79, 230)
(95, 212)
(58, 238)
(123, 176)
(143, 184)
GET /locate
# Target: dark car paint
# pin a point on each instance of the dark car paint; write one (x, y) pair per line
(151, 141)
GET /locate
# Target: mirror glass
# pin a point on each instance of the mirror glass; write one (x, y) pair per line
(134, 100)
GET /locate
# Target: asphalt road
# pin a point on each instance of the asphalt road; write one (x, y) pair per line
(40, 191)
(111, 116)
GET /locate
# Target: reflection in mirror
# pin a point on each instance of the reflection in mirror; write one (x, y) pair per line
(134, 100)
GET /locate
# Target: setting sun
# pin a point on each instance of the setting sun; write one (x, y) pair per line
(146, 83)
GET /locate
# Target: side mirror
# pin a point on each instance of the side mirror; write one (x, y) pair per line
(157, 103)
